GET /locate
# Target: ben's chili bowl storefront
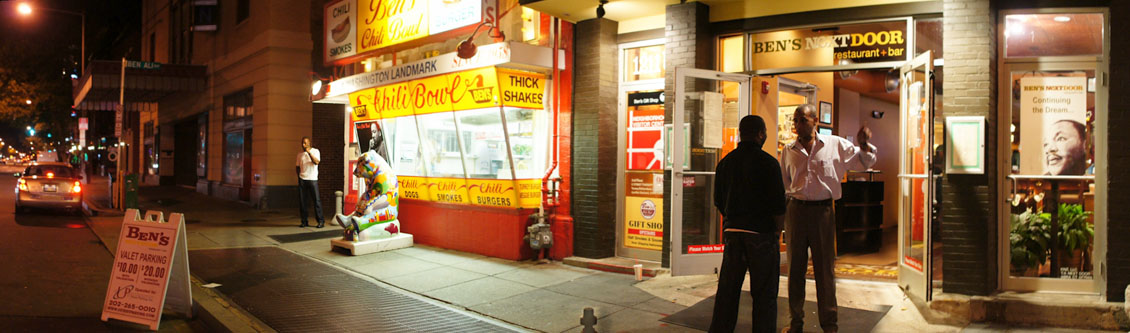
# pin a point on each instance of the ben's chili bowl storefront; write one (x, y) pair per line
(469, 140)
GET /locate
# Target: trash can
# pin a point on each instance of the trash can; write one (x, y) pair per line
(130, 186)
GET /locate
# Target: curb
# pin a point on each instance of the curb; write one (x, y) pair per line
(211, 307)
(1027, 311)
(611, 267)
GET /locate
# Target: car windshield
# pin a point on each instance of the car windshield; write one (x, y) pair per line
(53, 170)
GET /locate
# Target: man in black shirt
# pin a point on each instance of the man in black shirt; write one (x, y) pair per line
(750, 194)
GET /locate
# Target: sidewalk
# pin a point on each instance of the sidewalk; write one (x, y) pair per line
(536, 296)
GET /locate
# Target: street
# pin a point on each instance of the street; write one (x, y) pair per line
(55, 269)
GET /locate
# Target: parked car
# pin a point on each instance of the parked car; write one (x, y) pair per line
(49, 185)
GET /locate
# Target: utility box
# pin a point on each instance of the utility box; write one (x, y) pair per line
(130, 186)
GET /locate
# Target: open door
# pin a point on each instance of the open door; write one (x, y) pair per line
(916, 179)
(708, 106)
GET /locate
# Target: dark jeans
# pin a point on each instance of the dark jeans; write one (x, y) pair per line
(812, 226)
(760, 255)
(308, 191)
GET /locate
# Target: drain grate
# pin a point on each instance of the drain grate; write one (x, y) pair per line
(292, 293)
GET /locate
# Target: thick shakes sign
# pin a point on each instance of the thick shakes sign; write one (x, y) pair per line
(151, 258)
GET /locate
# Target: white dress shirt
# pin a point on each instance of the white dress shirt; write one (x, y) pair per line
(307, 170)
(816, 175)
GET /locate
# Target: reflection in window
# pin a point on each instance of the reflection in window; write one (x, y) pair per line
(440, 147)
(1034, 35)
(485, 144)
(528, 129)
(403, 145)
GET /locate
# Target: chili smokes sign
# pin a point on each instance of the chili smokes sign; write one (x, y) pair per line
(150, 270)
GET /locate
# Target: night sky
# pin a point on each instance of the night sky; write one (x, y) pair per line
(113, 30)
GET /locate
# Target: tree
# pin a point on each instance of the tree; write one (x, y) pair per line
(38, 73)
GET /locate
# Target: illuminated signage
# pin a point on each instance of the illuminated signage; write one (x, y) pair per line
(851, 43)
(643, 63)
(357, 26)
(466, 90)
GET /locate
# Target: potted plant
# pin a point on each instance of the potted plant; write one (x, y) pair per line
(1075, 235)
(1029, 239)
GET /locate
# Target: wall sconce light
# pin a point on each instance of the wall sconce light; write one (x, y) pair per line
(466, 49)
(877, 114)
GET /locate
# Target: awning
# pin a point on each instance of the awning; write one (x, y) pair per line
(100, 86)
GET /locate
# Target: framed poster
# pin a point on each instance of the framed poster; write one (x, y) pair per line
(965, 145)
(825, 113)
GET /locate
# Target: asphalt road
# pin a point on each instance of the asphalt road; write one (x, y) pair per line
(55, 270)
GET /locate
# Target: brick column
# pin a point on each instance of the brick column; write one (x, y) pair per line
(1118, 157)
(689, 45)
(594, 139)
(326, 135)
(969, 202)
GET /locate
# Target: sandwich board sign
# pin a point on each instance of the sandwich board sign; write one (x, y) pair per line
(150, 272)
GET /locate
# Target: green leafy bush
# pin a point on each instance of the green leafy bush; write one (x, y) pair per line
(1028, 238)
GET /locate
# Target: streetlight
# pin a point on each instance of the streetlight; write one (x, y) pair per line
(28, 102)
(25, 9)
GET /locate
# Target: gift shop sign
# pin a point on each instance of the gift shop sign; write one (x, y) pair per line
(150, 271)
(643, 211)
(355, 27)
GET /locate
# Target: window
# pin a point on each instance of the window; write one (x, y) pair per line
(1064, 34)
(238, 109)
(484, 144)
(242, 10)
(732, 54)
(643, 63)
(233, 158)
(528, 129)
(440, 146)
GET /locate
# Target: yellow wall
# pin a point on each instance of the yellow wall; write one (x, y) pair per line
(725, 10)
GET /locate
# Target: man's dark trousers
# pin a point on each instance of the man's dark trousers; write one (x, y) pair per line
(760, 254)
(307, 191)
(809, 224)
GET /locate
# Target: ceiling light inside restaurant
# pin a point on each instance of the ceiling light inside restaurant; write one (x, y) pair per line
(1062, 19)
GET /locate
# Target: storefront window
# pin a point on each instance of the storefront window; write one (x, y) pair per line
(1034, 35)
(528, 129)
(440, 145)
(928, 36)
(731, 51)
(233, 158)
(484, 144)
(643, 63)
(1051, 232)
(403, 146)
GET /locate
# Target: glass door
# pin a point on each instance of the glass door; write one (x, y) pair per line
(916, 180)
(708, 106)
(1051, 203)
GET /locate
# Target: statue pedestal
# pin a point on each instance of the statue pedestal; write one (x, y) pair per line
(400, 241)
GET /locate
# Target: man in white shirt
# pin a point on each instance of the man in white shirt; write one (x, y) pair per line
(307, 169)
(811, 169)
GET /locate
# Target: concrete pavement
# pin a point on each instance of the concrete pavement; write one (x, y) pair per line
(538, 296)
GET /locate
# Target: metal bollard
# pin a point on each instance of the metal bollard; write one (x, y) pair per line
(588, 320)
(337, 201)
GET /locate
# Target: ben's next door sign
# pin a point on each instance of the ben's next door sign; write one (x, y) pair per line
(357, 26)
(643, 211)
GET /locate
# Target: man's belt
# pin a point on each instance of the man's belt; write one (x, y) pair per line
(825, 202)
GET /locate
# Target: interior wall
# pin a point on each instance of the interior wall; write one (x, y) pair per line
(885, 137)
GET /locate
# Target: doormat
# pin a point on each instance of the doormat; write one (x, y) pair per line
(850, 319)
(305, 236)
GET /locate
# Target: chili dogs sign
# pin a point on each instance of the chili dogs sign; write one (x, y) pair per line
(353, 27)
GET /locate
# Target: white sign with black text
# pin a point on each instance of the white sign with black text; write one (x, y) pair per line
(150, 271)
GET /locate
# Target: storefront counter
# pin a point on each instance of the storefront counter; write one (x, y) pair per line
(489, 231)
